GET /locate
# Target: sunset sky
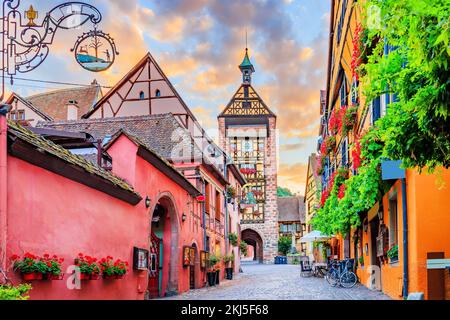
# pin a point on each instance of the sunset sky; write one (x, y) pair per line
(199, 44)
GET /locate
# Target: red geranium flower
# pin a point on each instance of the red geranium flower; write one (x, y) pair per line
(341, 193)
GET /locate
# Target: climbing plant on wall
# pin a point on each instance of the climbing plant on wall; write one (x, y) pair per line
(416, 33)
(416, 128)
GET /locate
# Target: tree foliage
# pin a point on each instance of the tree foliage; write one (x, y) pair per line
(284, 192)
(284, 245)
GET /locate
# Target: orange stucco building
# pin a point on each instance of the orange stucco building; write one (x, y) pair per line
(424, 220)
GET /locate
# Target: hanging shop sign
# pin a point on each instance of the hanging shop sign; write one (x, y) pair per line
(95, 51)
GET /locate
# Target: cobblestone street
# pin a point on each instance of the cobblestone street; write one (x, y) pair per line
(278, 282)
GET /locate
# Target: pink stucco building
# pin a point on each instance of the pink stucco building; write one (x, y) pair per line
(106, 184)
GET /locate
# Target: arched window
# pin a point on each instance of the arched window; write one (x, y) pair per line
(142, 95)
(157, 93)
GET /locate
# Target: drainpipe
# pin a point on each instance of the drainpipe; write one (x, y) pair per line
(225, 172)
(4, 109)
(405, 240)
(204, 213)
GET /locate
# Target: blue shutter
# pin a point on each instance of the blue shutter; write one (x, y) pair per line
(344, 153)
(343, 93)
(376, 110)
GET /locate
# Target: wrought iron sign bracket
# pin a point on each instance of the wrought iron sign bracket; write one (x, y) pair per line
(25, 44)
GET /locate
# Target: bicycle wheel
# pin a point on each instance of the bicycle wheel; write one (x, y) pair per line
(332, 278)
(348, 280)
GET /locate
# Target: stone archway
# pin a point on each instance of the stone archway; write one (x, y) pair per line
(166, 225)
(252, 238)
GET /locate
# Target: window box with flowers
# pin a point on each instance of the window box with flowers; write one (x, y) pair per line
(113, 269)
(330, 144)
(54, 266)
(31, 267)
(393, 254)
(89, 267)
(248, 171)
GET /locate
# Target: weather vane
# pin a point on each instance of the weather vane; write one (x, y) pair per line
(25, 45)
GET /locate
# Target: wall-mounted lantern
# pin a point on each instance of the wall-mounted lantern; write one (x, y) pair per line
(184, 217)
(147, 202)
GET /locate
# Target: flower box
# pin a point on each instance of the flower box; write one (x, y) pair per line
(56, 277)
(85, 276)
(33, 267)
(113, 270)
(32, 276)
(95, 276)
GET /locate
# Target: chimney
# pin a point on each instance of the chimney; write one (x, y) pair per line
(72, 110)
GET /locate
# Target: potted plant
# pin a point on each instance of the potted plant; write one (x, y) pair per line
(361, 261)
(233, 237)
(89, 267)
(231, 194)
(113, 269)
(330, 144)
(243, 246)
(393, 253)
(121, 268)
(349, 119)
(53, 267)
(31, 267)
(229, 259)
(214, 270)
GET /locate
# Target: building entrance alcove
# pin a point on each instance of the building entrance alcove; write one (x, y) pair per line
(164, 250)
(253, 239)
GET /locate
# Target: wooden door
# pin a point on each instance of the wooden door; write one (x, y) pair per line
(154, 267)
(436, 278)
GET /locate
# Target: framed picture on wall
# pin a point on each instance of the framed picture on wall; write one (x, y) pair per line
(140, 259)
(203, 261)
(192, 256)
(186, 256)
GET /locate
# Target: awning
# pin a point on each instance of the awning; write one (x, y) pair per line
(315, 236)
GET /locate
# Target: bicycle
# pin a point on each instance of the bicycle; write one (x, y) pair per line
(345, 278)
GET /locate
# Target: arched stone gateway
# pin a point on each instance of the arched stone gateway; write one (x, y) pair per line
(165, 230)
(252, 238)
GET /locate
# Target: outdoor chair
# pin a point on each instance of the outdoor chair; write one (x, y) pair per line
(306, 268)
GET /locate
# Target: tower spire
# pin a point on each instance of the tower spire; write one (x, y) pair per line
(246, 66)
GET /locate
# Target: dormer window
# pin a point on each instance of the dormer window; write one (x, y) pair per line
(157, 93)
(142, 95)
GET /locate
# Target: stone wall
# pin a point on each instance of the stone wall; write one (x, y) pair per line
(269, 229)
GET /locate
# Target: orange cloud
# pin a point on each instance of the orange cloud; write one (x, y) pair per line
(293, 176)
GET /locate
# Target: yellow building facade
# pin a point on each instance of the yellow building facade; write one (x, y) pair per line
(414, 216)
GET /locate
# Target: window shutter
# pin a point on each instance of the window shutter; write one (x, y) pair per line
(376, 110)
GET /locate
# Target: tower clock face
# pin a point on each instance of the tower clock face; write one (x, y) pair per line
(248, 146)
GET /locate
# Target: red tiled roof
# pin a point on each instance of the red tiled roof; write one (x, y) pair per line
(54, 103)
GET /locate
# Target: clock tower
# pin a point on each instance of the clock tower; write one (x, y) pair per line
(247, 132)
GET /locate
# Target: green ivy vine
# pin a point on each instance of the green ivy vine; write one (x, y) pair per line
(416, 128)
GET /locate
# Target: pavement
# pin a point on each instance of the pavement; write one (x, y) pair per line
(278, 282)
